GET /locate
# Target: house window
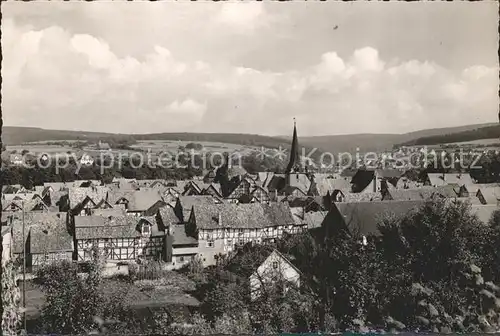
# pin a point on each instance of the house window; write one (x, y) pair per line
(87, 254)
(275, 265)
(210, 243)
(181, 259)
(146, 229)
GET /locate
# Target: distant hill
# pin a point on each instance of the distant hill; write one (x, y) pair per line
(20, 135)
(330, 143)
(478, 133)
(378, 142)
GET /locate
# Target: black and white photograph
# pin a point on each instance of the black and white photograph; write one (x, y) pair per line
(250, 168)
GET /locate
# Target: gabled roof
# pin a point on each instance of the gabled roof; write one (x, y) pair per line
(362, 197)
(327, 183)
(115, 196)
(262, 176)
(484, 212)
(115, 212)
(306, 201)
(405, 182)
(187, 202)
(362, 218)
(10, 205)
(143, 199)
(234, 171)
(314, 219)
(124, 184)
(93, 227)
(256, 188)
(77, 195)
(242, 266)
(447, 191)
(439, 179)
(362, 179)
(53, 222)
(215, 187)
(276, 182)
(490, 194)
(179, 236)
(289, 190)
(300, 181)
(57, 186)
(9, 189)
(168, 216)
(389, 173)
(244, 216)
(49, 239)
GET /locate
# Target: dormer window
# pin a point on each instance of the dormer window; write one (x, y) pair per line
(146, 229)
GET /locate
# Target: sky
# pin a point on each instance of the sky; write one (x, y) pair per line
(249, 67)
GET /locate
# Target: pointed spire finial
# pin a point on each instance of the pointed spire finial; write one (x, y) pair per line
(294, 122)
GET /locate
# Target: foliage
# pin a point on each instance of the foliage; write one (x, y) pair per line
(432, 270)
(71, 301)
(193, 145)
(424, 272)
(11, 299)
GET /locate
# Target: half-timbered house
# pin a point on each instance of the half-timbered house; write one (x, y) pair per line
(241, 188)
(220, 228)
(50, 243)
(142, 202)
(83, 200)
(122, 238)
(184, 248)
(46, 237)
(213, 189)
(260, 194)
(184, 205)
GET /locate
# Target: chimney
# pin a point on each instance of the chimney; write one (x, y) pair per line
(220, 218)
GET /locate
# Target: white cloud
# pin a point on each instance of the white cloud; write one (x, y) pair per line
(188, 108)
(97, 51)
(245, 17)
(367, 59)
(56, 79)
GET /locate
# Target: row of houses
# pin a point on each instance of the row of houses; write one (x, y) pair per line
(131, 220)
(198, 225)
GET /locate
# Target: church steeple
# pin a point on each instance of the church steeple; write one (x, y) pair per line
(294, 165)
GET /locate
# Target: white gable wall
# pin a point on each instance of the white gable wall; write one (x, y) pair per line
(274, 268)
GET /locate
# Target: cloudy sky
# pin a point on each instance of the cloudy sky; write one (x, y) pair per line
(141, 67)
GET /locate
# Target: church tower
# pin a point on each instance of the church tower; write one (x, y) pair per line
(294, 164)
(297, 175)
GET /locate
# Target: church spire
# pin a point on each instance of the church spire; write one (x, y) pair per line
(294, 163)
